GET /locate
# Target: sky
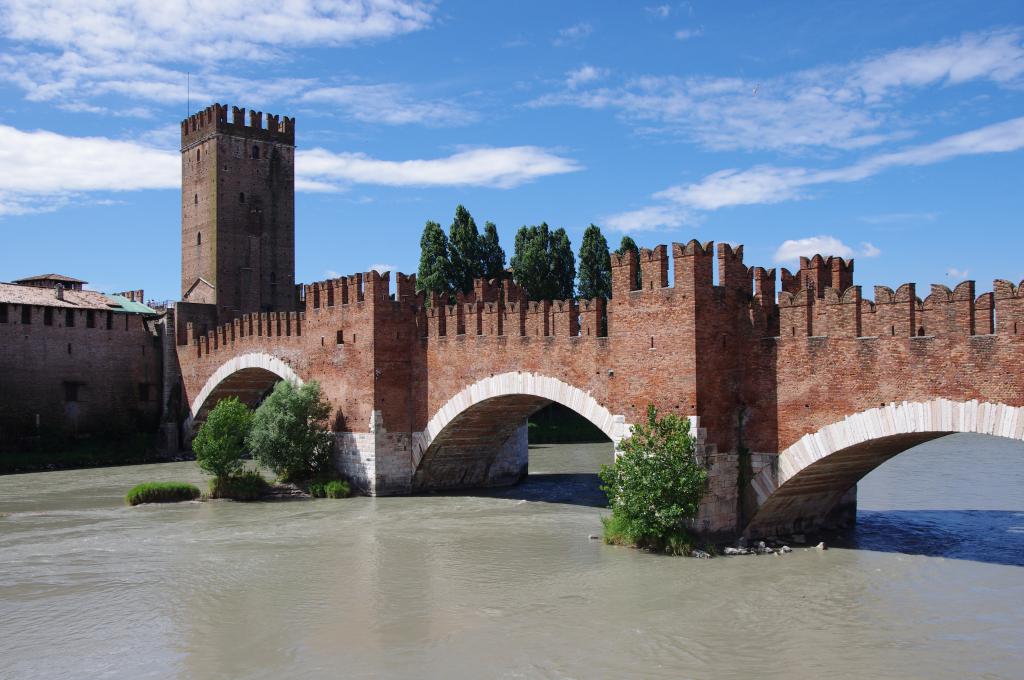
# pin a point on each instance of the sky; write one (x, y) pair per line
(892, 133)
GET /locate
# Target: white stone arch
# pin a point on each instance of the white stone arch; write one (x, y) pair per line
(937, 416)
(260, 360)
(515, 384)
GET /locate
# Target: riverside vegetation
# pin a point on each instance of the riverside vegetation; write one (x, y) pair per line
(654, 487)
(288, 434)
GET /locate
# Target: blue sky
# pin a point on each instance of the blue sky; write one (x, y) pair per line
(889, 132)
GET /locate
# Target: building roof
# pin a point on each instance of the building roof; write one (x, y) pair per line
(73, 299)
(51, 277)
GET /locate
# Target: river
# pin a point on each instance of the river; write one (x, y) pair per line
(507, 585)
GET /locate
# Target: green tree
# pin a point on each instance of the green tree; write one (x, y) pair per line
(543, 263)
(595, 265)
(629, 244)
(289, 433)
(655, 485)
(220, 442)
(492, 257)
(434, 274)
(464, 249)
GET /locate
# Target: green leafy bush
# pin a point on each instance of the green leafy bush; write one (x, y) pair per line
(289, 433)
(655, 486)
(245, 486)
(331, 488)
(220, 443)
(161, 492)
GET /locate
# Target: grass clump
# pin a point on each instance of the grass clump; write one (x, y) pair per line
(654, 487)
(329, 488)
(161, 492)
(245, 486)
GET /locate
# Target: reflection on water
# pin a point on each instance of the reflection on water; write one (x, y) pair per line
(504, 583)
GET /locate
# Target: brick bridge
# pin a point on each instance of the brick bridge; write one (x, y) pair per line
(793, 400)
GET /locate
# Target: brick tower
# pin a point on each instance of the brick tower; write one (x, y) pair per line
(238, 211)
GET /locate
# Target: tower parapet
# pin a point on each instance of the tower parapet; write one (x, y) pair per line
(214, 119)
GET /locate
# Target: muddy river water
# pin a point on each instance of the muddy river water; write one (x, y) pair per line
(508, 584)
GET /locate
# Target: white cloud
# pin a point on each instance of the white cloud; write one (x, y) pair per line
(955, 273)
(574, 34)
(868, 249)
(649, 219)
(389, 103)
(55, 169)
(89, 48)
(842, 107)
(499, 167)
(382, 268)
(687, 33)
(768, 184)
(331, 274)
(793, 250)
(584, 74)
(659, 11)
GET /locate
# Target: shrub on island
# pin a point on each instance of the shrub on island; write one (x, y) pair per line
(654, 487)
(161, 492)
(245, 486)
(329, 488)
(289, 433)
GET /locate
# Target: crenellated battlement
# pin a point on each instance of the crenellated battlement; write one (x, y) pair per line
(901, 313)
(249, 328)
(214, 119)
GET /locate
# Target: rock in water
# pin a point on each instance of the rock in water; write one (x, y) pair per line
(785, 549)
(701, 555)
(821, 546)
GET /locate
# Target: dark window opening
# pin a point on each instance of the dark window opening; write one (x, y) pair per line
(90, 319)
(241, 197)
(47, 316)
(69, 318)
(920, 331)
(197, 155)
(199, 238)
(26, 314)
(126, 322)
(3, 312)
(341, 337)
(69, 348)
(255, 151)
(71, 391)
(196, 199)
(110, 320)
(893, 330)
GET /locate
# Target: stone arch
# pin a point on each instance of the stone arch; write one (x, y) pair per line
(491, 414)
(241, 376)
(811, 476)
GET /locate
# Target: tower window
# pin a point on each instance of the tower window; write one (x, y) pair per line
(255, 151)
(196, 199)
(90, 318)
(199, 238)
(241, 197)
(3, 312)
(197, 155)
(26, 314)
(69, 318)
(47, 316)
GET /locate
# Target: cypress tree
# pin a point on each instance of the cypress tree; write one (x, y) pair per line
(629, 244)
(434, 274)
(464, 250)
(543, 263)
(492, 257)
(595, 265)
(563, 266)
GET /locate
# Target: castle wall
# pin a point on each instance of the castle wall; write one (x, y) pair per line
(77, 379)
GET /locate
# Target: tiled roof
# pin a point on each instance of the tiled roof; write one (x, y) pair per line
(74, 299)
(51, 277)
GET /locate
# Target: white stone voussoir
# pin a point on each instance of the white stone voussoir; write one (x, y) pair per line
(262, 360)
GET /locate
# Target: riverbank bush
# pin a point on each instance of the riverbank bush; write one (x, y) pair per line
(654, 487)
(289, 433)
(245, 486)
(161, 492)
(220, 442)
(331, 488)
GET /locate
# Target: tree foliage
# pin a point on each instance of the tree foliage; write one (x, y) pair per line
(464, 250)
(289, 433)
(543, 263)
(595, 265)
(628, 244)
(492, 257)
(655, 484)
(434, 274)
(220, 443)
